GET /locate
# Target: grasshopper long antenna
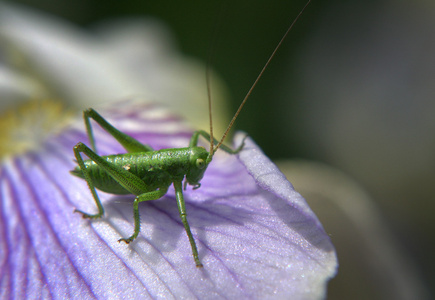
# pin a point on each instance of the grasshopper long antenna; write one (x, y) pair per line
(230, 125)
(211, 151)
(208, 82)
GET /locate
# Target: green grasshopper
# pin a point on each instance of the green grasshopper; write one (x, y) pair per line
(147, 173)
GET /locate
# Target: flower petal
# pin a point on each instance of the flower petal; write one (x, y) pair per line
(256, 236)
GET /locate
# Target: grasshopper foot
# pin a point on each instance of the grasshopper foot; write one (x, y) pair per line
(127, 241)
(88, 216)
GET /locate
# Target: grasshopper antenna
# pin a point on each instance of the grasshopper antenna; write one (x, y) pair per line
(208, 82)
(211, 151)
(230, 125)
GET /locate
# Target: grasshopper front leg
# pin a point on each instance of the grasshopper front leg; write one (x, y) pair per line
(196, 134)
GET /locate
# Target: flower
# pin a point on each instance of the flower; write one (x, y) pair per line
(256, 236)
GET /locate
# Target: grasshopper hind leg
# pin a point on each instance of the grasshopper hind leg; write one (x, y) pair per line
(129, 143)
(77, 150)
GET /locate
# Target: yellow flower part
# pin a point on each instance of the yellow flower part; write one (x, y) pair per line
(23, 128)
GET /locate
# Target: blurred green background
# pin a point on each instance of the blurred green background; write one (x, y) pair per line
(352, 86)
(247, 32)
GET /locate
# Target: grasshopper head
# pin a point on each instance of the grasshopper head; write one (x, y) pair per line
(198, 164)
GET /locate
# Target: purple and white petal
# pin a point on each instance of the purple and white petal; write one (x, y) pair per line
(256, 236)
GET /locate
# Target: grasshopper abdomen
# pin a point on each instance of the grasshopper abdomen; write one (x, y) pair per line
(155, 168)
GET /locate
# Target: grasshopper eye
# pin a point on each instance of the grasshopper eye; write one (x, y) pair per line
(200, 163)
